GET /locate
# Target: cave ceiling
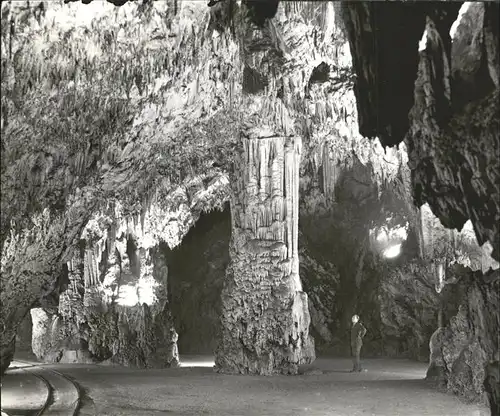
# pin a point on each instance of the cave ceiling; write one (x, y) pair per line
(144, 104)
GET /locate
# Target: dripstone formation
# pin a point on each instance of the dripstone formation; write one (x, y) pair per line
(265, 317)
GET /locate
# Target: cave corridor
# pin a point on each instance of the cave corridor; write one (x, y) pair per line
(198, 197)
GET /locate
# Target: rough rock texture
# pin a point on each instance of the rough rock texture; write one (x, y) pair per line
(462, 349)
(104, 312)
(35, 257)
(452, 146)
(172, 108)
(409, 309)
(468, 137)
(265, 317)
(446, 246)
(159, 122)
(338, 213)
(450, 92)
(104, 162)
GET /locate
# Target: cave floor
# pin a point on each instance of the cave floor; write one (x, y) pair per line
(389, 387)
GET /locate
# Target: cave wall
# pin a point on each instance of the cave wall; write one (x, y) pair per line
(196, 270)
(69, 169)
(461, 142)
(464, 351)
(343, 197)
(452, 130)
(448, 87)
(409, 309)
(114, 308)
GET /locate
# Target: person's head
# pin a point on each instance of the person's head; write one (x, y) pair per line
(355, 319)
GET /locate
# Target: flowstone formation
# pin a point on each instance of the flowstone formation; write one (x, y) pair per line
(265, 316)
(64, 163)
(114, 307)
(144, 106)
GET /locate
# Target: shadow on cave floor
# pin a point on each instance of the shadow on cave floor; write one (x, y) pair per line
(390, 387)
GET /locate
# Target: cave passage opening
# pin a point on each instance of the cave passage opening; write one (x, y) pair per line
(196, 270)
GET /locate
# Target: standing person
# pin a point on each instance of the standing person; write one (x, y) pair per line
(358, 331)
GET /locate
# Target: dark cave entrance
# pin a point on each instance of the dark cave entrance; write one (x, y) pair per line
(23, 337)
(196, 270)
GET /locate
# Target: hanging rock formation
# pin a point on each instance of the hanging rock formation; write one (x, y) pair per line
(449, 88)
(265, 317)
(434, 87)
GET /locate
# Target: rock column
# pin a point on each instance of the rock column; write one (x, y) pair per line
(265, 318)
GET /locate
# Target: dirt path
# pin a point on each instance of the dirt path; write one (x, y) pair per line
(388, 388)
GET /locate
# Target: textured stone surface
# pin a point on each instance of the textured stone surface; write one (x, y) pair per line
(31, 268)
(462, 350)
(273, 80)
(409, 308)
(133, 150)
(439, 142)
(452, 146)
(265, 317)
(383, 39)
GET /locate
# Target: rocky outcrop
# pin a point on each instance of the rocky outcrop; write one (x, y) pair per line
(31, 268)
(265, 317)
(103, 313)
(443, 132)
(459, 135)
(117, 283)
(462, 350)
(409, 310)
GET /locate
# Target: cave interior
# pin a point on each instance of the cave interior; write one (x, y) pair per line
(235, 180)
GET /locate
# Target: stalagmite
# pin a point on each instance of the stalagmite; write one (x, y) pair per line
(265, 318)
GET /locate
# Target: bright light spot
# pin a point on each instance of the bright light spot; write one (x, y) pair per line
(440, 284)
(461, 12)
(197, 361)
(127, 296)
(423, 42)
(147, 241)
(146, 290)
(141, 292)
(392, 251)
(382, 236)
(399, 233)
(468, 227)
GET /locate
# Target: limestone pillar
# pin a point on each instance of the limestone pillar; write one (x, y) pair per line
(265, 317)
